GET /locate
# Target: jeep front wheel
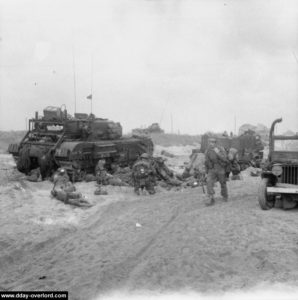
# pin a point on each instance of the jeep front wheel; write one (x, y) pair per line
(266, 202)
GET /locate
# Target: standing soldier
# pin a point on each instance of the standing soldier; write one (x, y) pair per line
(143, 175)
(215, 162)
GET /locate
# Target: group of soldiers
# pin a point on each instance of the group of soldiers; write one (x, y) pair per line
(143, 175)
(219, 164)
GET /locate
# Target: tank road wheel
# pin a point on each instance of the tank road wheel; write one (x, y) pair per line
(266, 202)
(24, 163)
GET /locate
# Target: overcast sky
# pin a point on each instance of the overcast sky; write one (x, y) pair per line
(201, 63)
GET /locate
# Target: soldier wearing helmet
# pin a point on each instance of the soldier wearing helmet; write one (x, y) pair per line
(145, 156)
(61, 171)
(65, 191)
(143, 175)
(60, 177)
(216, 162)
(102, 176)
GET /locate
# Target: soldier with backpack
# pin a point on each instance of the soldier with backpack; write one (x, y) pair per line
(216, 162)
(143, 175)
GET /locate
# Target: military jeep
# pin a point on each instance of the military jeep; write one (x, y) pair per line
(279, 185)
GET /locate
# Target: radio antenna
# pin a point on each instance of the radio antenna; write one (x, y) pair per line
(74, 78)
(91, 82)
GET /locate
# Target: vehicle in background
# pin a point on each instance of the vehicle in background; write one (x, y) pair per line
(249, 146)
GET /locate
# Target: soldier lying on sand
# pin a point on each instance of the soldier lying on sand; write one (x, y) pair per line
(65, 191)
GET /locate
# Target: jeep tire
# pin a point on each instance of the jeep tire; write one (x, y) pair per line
(266, 202)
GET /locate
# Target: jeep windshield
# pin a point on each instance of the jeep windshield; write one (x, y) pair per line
(286, 145)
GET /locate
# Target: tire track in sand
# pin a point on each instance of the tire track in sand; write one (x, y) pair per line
(118, 275)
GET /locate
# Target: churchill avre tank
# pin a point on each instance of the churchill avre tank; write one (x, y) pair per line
(57, 139)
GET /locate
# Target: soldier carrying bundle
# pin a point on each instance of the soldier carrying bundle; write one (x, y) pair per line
(216, 162)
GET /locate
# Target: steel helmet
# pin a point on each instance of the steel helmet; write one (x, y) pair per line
(61, 171)
(145, 155)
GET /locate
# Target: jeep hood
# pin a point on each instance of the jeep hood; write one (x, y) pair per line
(284, 157)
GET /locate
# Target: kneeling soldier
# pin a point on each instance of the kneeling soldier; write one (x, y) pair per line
(143, 175)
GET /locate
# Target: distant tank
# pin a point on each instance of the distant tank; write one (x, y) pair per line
(57, 139)
(153, 128)
(249, 145)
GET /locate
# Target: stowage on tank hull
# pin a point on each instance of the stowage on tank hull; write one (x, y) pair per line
(85, 155)
(57, 139)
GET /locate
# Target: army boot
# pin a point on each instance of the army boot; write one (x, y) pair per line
(236, 177)
(210, 200)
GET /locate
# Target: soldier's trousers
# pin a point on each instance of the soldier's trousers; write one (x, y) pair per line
(64, 196)
(102, 178)
(144, 183)
(217, 175)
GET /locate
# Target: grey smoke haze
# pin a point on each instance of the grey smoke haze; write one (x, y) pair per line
(203, 62)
